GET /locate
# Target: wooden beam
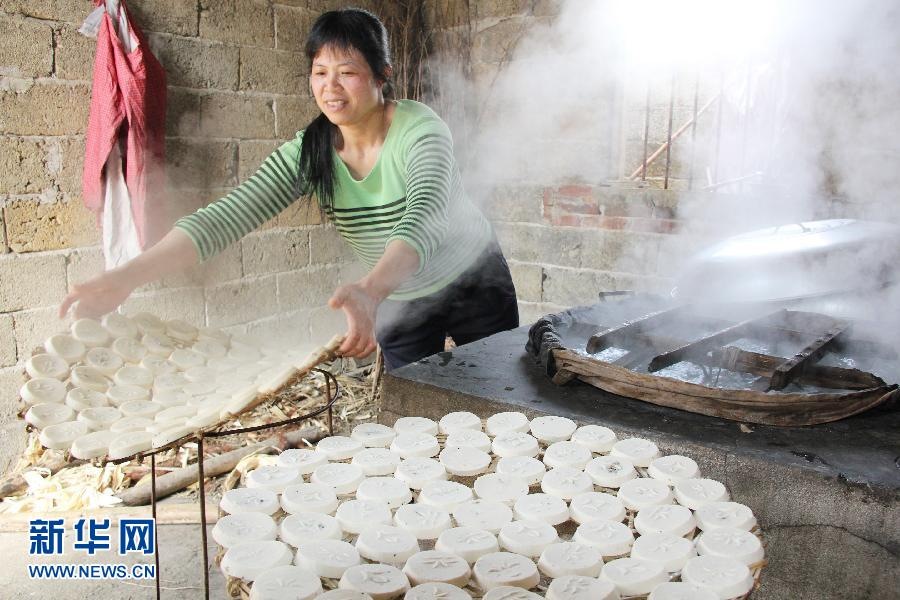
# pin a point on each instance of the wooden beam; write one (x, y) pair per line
(614, 335)
(764, 365)
(794, 367)
(700, 347)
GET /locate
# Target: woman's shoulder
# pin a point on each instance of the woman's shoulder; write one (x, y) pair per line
(291, 148)
(416, 119)
(415, 109)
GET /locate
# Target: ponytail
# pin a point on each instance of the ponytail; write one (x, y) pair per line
(316, 163)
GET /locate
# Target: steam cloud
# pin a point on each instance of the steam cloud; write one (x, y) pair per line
(807, 124)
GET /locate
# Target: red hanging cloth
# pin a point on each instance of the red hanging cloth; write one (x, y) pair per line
(128, 104)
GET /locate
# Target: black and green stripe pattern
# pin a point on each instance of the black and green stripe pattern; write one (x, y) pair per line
(414, 193)
(265, 194)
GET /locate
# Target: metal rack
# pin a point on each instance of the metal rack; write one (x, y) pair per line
(331, 394)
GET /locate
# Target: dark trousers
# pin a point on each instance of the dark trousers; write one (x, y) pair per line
(479, 303)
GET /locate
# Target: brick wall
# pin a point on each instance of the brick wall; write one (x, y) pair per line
(566, 244)
(237, 88)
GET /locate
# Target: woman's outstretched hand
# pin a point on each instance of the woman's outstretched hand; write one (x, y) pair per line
(173, 253)
(359, 306)
(98, 296)
(360, 300)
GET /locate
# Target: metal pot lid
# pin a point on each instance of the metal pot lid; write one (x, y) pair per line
(798, 260)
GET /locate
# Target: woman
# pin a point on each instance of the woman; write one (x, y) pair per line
(383, 172)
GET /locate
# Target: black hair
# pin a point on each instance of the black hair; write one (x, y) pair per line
(345, 29)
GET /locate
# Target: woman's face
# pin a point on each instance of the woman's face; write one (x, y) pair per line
(344, 86)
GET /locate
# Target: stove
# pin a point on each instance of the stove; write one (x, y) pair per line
(826, 495)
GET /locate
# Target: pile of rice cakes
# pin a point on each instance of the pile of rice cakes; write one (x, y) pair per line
(128, 384)
(506, 509)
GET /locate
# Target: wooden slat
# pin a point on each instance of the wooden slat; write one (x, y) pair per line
(793, 367)
(764, 365)
(700, 347)
(799, 327)
(617, 335)
(862, 343)
(736, 359)
(808, 322)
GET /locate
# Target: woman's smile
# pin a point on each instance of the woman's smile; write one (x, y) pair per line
(335, 105)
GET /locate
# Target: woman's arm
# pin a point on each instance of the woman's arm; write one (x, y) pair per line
(360, 300)
(196, 237)
(96, 297)
(265, 194)
(430, 175)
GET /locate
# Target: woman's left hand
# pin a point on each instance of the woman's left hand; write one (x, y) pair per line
(360, 300)
(359, 306)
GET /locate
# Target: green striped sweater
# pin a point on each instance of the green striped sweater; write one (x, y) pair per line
(414, 193)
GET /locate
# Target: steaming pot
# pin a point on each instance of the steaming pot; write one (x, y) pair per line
(812, 263)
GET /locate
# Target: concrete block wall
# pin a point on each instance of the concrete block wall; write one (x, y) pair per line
(237, 89)
(566, 244)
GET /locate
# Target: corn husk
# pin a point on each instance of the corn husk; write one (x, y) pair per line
(81, 488)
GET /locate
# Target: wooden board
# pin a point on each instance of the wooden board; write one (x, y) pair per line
(803, 360)
(700, 347)
(617, 335)
(736, 359)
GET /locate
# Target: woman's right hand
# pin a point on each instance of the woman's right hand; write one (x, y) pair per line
(104, 293)
(98, 296)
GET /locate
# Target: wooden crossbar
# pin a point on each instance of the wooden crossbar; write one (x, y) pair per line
(614, 335)
(700, 347)
(794, 367)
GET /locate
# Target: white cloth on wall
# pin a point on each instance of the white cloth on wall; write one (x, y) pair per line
(118, 16)
(120, 237)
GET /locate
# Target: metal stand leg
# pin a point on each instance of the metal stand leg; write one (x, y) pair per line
(332, 389)
(202, 481)
(155, 528)
(330, 414)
